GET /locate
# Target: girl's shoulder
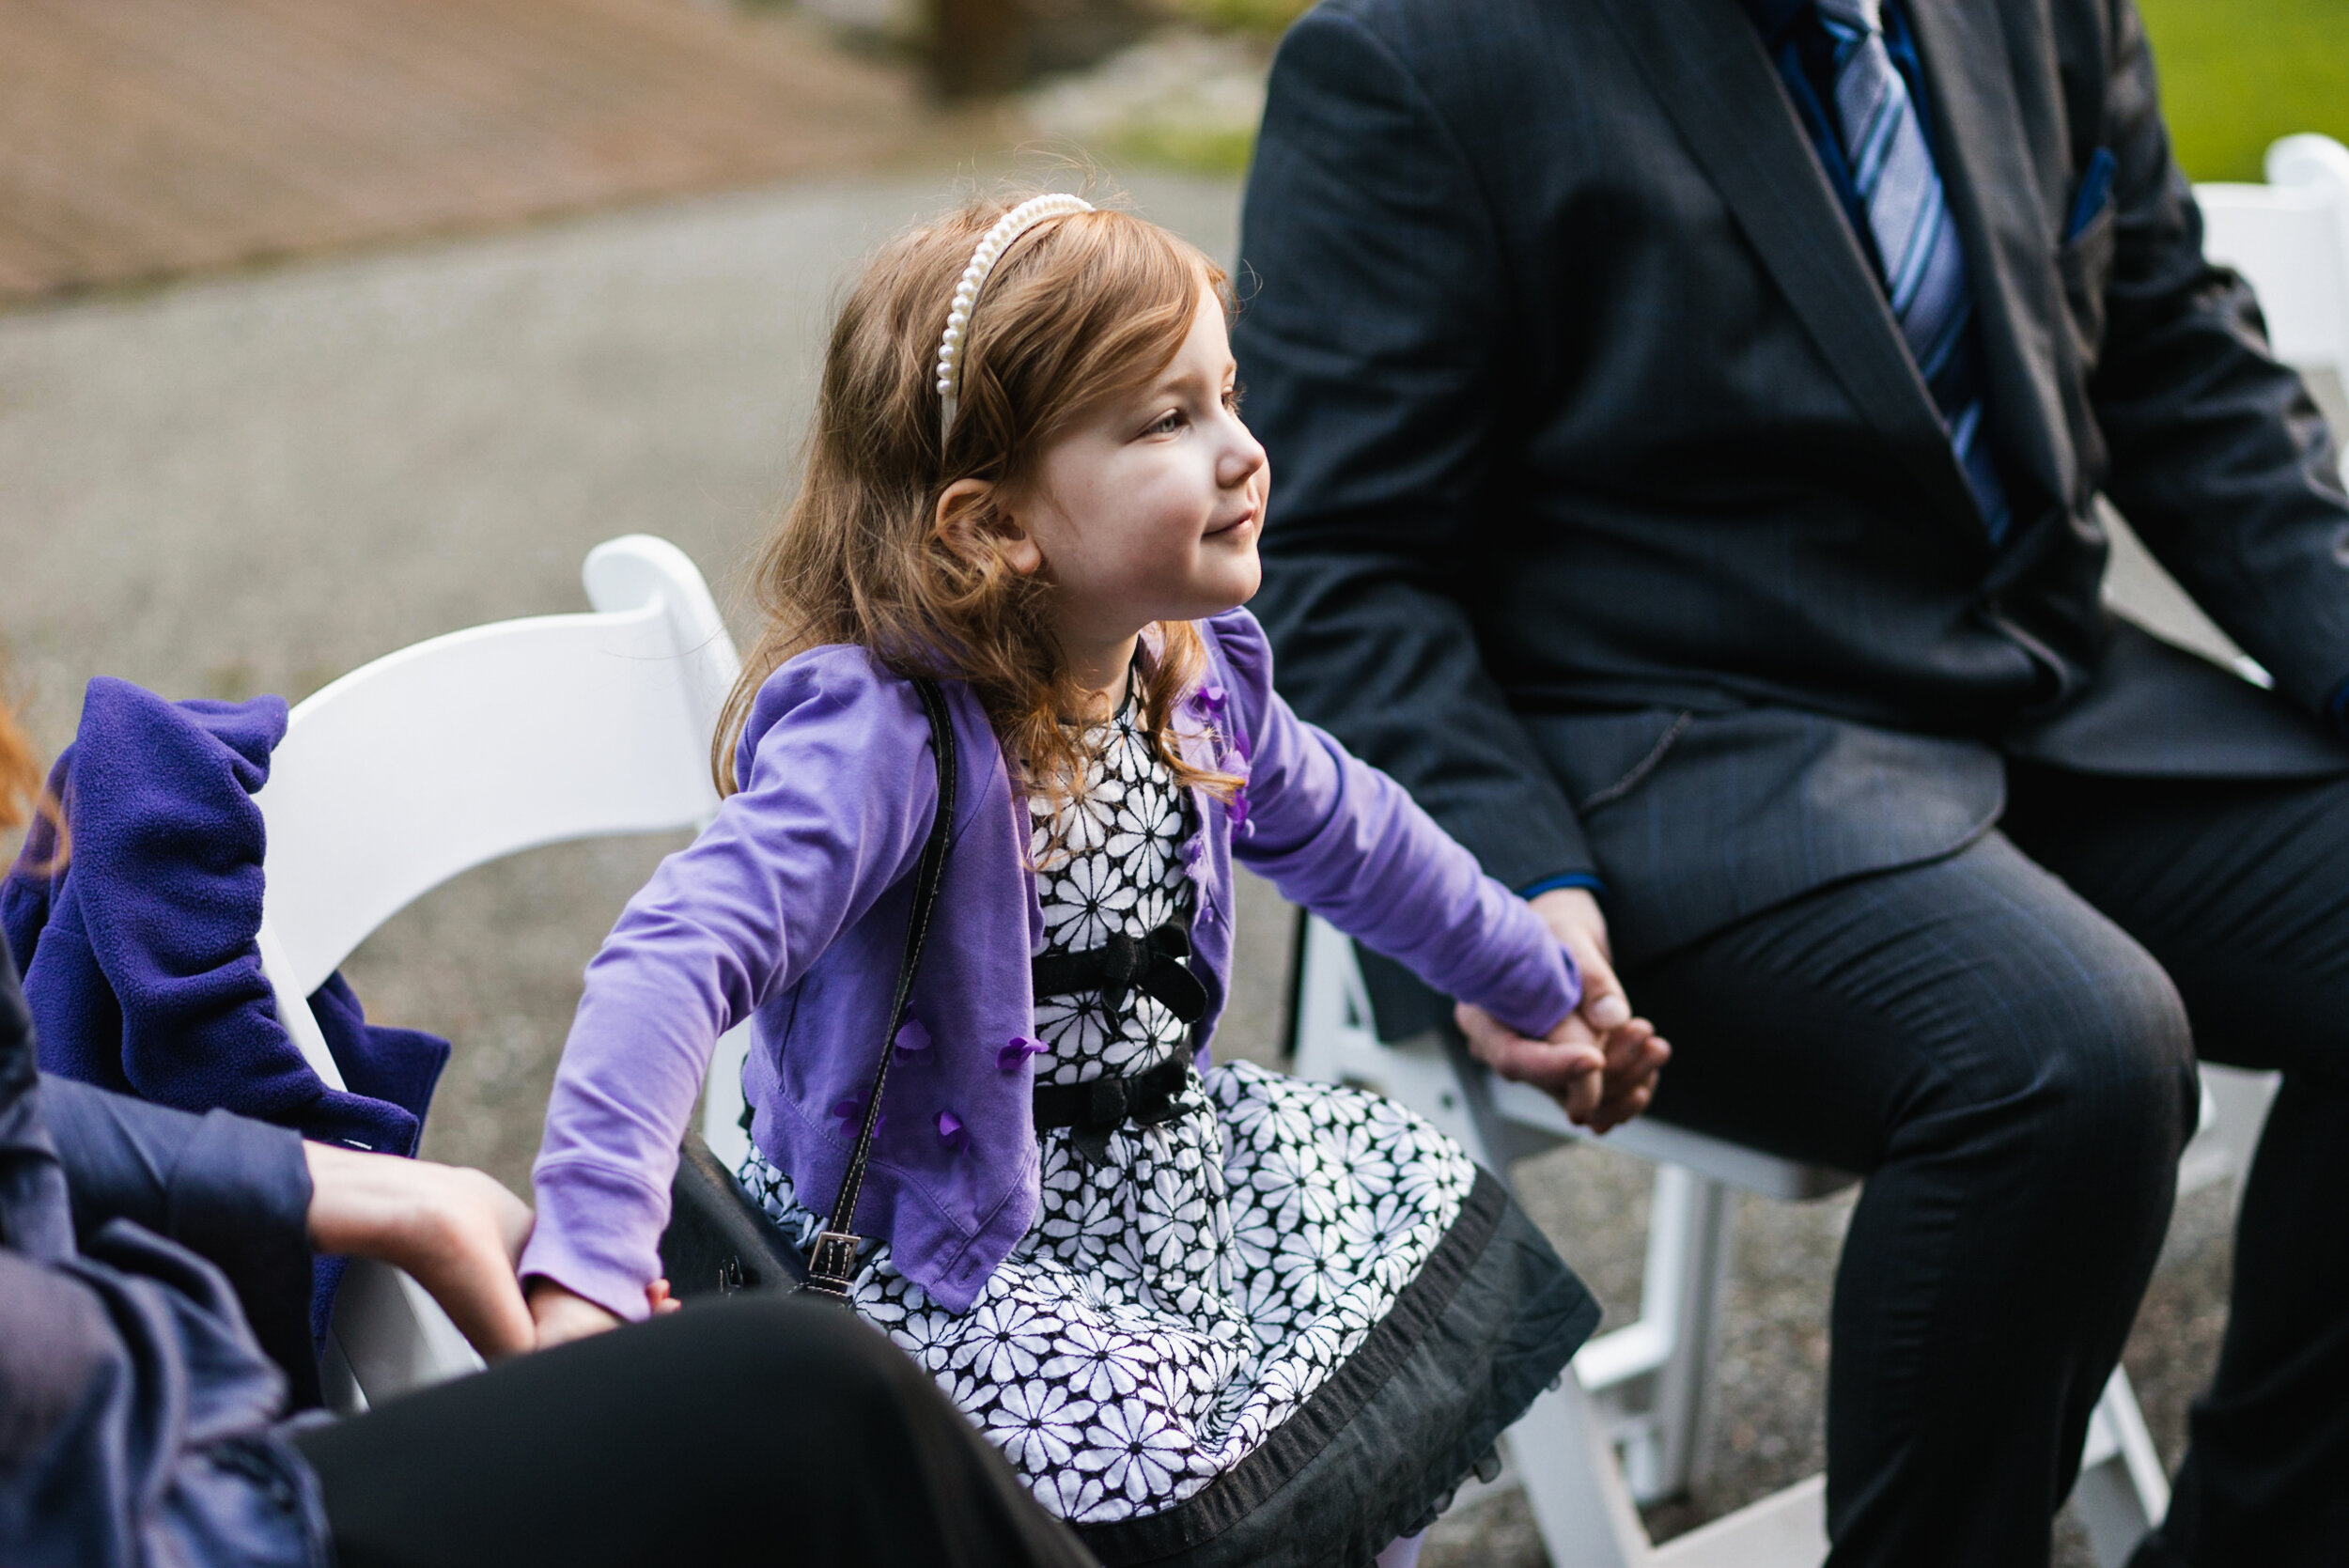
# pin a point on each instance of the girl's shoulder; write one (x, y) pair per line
(1239, 656)
(849, 706)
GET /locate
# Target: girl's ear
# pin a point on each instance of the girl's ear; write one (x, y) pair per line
(973, 522)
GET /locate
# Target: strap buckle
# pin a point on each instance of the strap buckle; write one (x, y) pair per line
(832, 1266)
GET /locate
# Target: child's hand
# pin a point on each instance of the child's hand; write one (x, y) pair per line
(1634, 1056)
(562, 1315)
(1567, 1063)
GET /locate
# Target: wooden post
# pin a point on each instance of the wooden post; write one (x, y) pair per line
(978, 46)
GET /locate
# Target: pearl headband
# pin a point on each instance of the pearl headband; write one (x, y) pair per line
(1009, 227)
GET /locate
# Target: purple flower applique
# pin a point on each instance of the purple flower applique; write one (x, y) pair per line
(951, 1131)
(850, 1114)
(1208, 700)
(1018, 1050)
(1194, 860)
(1238, 811)
(1195, 867)
(913, 1037)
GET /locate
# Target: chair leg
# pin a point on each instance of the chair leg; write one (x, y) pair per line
(2123, 1490)
(1689, 1224)
(1581, 1505)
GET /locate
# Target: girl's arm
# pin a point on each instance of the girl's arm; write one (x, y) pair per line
(1344, 840)
(838, 797)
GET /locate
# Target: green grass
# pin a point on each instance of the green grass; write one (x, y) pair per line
(1266, 18)
(1191, 149)
(2236, 75)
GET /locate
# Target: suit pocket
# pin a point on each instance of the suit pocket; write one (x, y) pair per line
(2084, 266)
(1600, 758)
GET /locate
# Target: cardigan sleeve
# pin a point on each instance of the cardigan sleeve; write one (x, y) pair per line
(735, 917)
(1341, 838)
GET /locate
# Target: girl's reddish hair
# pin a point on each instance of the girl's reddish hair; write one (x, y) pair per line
(1079, 309)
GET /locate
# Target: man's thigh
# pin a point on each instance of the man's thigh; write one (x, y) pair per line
(1963, 991)
(2239, 889)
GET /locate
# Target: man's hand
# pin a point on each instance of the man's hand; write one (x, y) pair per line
(1567, 1063)
(1574, 918)
(1629, 1052)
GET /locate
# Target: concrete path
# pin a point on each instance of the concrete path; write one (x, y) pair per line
(254, 484)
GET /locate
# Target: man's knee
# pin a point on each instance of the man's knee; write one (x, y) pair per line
(2090, 1083)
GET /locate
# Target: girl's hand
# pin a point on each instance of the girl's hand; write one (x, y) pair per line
(562, 1315)
(455, 1231)
(1634, 1057)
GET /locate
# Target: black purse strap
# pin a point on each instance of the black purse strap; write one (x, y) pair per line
(832, 1262)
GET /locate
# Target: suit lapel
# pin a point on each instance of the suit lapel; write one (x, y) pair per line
(1703, 61)
(1980, 147)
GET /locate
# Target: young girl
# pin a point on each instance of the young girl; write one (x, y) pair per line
(1210, 1314)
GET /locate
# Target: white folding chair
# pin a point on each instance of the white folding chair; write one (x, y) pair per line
(452, 753)
(2290, 239)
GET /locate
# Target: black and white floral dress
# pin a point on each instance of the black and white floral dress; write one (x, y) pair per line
(1175, 1302)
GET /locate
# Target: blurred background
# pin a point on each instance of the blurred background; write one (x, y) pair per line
(330, 325)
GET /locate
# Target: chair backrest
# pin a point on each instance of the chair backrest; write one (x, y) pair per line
(2290, 237)
(457, 750)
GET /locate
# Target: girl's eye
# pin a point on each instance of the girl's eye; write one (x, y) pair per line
(1166, 424)
(1232, 394)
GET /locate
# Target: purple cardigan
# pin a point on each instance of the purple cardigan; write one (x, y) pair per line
(792, 907)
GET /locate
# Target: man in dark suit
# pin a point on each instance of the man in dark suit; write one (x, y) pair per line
(1689, 417)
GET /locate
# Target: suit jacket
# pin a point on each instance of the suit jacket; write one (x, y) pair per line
(1611, 516)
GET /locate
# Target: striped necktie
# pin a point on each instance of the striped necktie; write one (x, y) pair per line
(1925, 270)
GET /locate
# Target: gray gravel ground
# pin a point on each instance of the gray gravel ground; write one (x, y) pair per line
(253, 484)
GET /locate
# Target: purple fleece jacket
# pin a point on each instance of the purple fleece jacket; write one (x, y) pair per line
(792, 908)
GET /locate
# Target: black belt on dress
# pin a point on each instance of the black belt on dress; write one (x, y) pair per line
(1092, 1111)
(1151, 964)
(1105, 1104)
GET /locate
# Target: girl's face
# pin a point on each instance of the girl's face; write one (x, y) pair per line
(1149, 508)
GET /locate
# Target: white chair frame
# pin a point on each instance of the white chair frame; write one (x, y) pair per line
(1625, 1427)
(452, 753)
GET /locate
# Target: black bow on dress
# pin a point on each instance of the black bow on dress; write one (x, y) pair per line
(1152, 964)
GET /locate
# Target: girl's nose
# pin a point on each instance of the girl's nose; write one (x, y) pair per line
(1241, 460)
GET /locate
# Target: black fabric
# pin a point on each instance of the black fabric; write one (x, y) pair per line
(1154, 964)
(756, 1429)
(2240, 891)
(717, 1240)
(1488, 1323)
(1095, 1109)
(2003, 1042)
(1593, 429)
